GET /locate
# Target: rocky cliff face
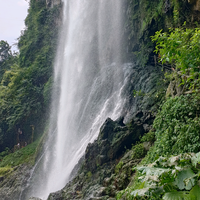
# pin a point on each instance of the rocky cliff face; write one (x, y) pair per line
(12, 183)
(107, 165)
(146, 17)
(100, 175)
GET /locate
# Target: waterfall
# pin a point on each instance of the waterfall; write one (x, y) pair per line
(89, 77)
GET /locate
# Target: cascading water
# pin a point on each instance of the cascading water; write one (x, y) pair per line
(89, 76)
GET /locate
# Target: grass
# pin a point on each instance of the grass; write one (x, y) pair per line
(5, 170)
(24, 155)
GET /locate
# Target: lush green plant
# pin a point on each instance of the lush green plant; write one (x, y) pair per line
(149, 137)
(5, 51)
(4, 153)
(138, 93)
(20, 104)
(138, 151)
(7, 57)
(119, 167)
(170, 178)
(180, 48)
(177, 127)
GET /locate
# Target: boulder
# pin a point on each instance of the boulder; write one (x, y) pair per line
(113, 140)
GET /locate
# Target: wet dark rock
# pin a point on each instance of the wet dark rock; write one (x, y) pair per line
(120, 121)
(146, 84)
(76, 168)
(139, 114)
(56, 195)
(112, 142)
(13, 183)
(1, 179)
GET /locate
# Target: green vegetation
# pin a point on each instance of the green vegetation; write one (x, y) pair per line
(177, 123)
(25, 79)
(8, 161)
(138, 93)
(7, 58)
(149, 137)
(118, 167)
(146, 17)
(180, 49)
(23, 155)
(5, 170)
(139, 151)
(170, 171)
(89, 175)
(171, 178)
(4, 153)
(177, 127)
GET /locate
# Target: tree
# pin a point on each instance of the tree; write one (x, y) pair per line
(180, 48)
(5, 51)
(7, 58)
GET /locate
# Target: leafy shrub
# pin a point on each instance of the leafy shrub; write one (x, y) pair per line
(177, 127)
(149, 137)
(138, 151)
(180, 48)
(171, 178)
(7, 57)
(119, 166)
(4, 153)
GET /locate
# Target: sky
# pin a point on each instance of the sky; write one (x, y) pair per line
(12, 16)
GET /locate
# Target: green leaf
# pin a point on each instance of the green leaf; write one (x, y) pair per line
(182, 176)
(151, 171)
(190, 182)
(196, 192)
(178, 196)
(169, 187)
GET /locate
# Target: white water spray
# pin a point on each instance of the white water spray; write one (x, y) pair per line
(89, 76)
